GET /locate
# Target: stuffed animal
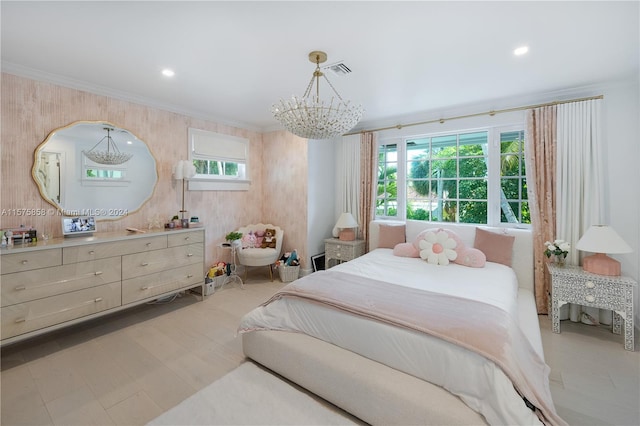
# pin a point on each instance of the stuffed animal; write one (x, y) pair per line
(269, 239)
(249, 240)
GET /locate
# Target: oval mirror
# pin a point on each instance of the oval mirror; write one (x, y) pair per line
(94, 168)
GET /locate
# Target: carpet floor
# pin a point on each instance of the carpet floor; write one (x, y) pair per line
(251, 395)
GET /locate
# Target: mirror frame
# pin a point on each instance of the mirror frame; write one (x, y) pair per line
(60, 208)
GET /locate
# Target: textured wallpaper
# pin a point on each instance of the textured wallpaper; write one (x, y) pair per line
(32, 109)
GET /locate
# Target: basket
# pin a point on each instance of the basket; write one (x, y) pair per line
(288, 273)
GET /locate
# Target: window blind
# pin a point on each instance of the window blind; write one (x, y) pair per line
(210, 145)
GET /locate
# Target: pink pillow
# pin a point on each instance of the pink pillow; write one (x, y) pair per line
(405, 250)
(471, 257)
(496, 247)
(391, 235)
(467, 256)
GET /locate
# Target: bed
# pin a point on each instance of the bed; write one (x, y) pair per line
(398, 370)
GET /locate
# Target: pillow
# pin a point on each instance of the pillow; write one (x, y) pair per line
(496, 247)
(405, 250)
(437, 248)
(472, 257)
(391, 235)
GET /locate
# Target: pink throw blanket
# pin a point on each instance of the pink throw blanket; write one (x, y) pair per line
(479, 327)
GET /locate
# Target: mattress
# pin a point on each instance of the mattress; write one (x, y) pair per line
(482, 385)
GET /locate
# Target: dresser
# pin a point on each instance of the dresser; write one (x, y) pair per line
(341, 251)
(571, 284)
(52, 284)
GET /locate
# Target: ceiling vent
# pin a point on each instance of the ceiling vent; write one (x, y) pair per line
(339, 68)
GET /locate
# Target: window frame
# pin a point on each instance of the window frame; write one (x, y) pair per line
(493, 170)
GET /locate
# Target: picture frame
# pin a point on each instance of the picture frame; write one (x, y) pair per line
(318, 262)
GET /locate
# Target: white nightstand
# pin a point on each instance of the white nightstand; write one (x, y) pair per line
(571, 284)
(342, 251)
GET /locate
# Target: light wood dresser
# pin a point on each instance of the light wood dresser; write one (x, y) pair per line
(52, 284)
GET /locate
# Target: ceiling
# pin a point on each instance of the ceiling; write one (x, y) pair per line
(233, 60)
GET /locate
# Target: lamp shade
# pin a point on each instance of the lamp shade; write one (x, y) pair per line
(346, 220)
(184, 169)
(602, 239)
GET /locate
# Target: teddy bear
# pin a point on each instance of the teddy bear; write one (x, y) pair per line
(269, 239)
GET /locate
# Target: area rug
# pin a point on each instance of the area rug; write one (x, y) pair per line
(251, 395)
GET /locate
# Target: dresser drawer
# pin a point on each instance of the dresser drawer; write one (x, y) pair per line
(25, 317)
(161, 282)
(183, 238)
(135, 265)
(117, 248)
(590, 292)
(22, 287)
(26, 261)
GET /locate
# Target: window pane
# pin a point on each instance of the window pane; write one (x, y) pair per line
(473, 212)
(444, 147)
(473, 167)
(473, 189)
(473, 144)
(444, 168)
(511, 188)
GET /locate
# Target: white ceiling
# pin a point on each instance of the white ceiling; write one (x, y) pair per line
(233, 60)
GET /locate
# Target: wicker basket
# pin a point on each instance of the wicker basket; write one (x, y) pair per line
(288, 273)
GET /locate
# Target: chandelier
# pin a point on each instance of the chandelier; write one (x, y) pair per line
(111, 155)
(312, 118)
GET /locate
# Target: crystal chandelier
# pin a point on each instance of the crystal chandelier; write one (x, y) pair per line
(312, 118)
(111, 155)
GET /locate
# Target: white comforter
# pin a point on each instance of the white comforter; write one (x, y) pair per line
(476, 380)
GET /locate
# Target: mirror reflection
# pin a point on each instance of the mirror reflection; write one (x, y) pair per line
(95, 169)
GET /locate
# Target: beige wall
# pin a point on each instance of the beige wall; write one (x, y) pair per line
(31, 109)
(284, 178)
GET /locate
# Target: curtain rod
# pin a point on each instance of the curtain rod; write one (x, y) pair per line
(491, 113)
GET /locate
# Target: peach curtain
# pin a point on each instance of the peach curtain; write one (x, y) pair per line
(540, 157)
(368, 182)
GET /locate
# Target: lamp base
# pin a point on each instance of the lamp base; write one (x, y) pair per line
(347, 235)
(601, 264)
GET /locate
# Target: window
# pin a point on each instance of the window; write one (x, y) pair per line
(452, 178)
(94, 174)
(221, 161)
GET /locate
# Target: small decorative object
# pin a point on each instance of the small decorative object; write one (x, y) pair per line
(438, 248)
(558, 248)
(269, 239)
(234, 238)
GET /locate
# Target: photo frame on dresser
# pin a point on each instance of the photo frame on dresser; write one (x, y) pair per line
(318, 262)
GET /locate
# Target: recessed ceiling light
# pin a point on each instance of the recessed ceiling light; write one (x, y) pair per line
(521, 50)
(168, 73)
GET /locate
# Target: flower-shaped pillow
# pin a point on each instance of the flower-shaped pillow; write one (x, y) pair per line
(438, 248)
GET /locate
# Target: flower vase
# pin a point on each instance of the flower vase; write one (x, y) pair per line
(560, 260)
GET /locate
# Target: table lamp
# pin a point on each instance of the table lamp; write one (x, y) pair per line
(601, 239)
(346, 225)
(184, 170)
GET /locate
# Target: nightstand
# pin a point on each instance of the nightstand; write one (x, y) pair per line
(341, 251)
(571, 284)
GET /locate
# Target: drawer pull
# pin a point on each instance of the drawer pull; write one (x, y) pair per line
(148, 244)
(146, 287)
(19, 320)
(590, 298)
(187, 238)
(91, 252)
(190, 276)
(20, 287)
(98, 299)
(24, 262)
(589, 284)
(189, 254)
(144, 264)
(97, 273)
